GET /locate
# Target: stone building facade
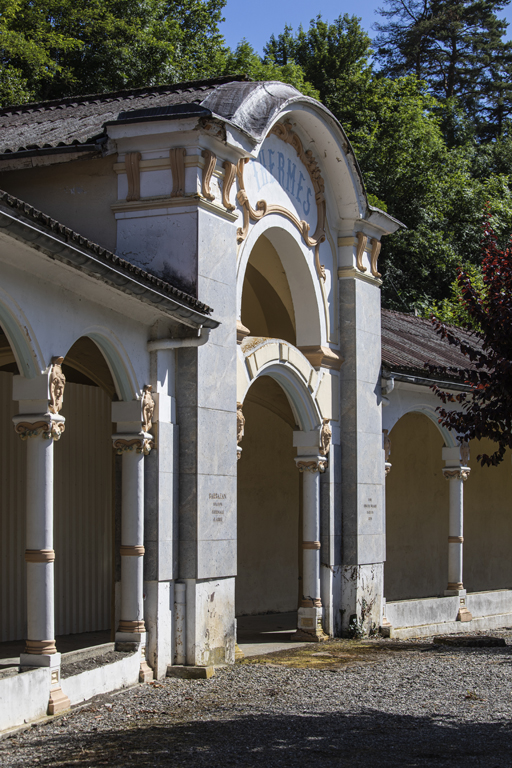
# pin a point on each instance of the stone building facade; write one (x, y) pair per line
(190, 379)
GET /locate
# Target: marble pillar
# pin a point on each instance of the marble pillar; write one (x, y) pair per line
(456, 473)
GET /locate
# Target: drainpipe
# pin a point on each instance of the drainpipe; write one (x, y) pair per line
(193, 341)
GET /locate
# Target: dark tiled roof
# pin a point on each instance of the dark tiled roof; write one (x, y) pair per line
(46, 223)
(79, 121)
(409, 343)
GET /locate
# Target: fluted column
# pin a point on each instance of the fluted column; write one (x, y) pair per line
(456, 472)
(133, 441)
(310, 609)
(40, 430)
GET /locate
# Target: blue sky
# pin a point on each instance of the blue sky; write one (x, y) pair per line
(256, 21)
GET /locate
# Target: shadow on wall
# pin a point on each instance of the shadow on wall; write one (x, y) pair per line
(332, 740)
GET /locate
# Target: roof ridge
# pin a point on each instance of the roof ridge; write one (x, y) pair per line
(171, 87)
(71, 235)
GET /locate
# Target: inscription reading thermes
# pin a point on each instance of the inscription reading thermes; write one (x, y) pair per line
(217, 500)
(370, 508)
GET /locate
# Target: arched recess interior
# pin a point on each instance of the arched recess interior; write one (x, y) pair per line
(300, 276)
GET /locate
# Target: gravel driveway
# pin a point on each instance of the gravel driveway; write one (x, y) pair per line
(342, 703)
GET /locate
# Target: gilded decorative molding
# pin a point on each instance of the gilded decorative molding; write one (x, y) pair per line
(56, 385)
(127, 550)
(209, 167)
(322, 357)
(148, 408)
(455, 539)
(310, 602)
(48, 429)
(313, 465)
(362, 239)
(325, 437)
(132, 626)
(229, 177)
(177, 159)
(131, 162)
(376, 246)
(311, 545)
(138, 444)
(386, 444)
(455, 586)
(459, 474)
(240, 426)
(40, 647)
(285, 132)
(39, 555)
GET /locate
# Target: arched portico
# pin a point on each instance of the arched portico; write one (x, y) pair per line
(308, 446)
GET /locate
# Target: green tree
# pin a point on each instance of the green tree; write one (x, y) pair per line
(55, 48)
(457, 47)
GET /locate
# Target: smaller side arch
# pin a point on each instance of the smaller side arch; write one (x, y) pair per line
(21, 337)
(118, 361)
(450, 439)
(290, 369)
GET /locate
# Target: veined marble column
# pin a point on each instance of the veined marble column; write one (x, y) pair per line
(40, 430)
(310, 609)
(456, 472)
(133, 442)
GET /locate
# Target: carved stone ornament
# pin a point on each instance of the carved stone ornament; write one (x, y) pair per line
(459, 474)
(131, 161)
(177, 159)
(139, 444)
(240, 423)
(386, 445)
(376, 246)
(325, 437)
(148, 408)
(57, 384)
(229, 177)
(210, 161)
(285, 132)
(464, 453)
(312, 465)
(362, 239)
(46, 427)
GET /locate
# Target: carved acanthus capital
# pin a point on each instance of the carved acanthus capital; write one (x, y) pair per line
(313, 464)
(139, 444)
(56, 385)
(148, 408)
(325, 437)
(45, 425)
(458, 473)
(387, 468)
(386, 444)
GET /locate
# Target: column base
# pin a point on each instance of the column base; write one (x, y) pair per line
(51, 660)
(59, 702)
(309, 625)
(386, 628)
(145, 671)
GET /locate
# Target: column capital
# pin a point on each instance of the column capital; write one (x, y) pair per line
(140, 442)
(49, 426)
(456, 473)
(311, 463)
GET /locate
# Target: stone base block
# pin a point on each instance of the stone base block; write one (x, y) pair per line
(239, 654)
(464, 614)
(59, 702)
(190, 673)
(145, 673)
(309, 626)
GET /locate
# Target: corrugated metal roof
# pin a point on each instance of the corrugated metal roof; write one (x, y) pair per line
(410, 344)
(78, 121)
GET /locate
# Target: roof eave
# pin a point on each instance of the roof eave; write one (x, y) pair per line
(92, 265)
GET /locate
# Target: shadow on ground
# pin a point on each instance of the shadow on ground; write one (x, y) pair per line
(366, 739)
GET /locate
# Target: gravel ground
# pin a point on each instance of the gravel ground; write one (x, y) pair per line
(344, 703)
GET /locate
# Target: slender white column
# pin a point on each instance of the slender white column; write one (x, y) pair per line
(310, 609)
(456, 473)
(133, 442)
(40, 430)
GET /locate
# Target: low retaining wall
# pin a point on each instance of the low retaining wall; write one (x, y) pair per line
(109, 677)
(438, 615)
(24, 697)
